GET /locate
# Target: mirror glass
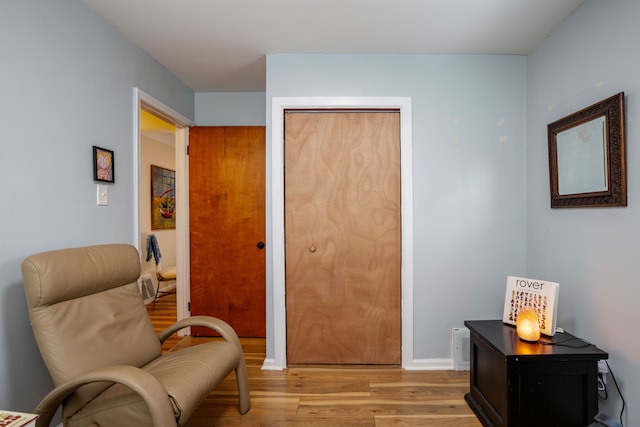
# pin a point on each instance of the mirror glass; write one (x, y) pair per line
(582, 158)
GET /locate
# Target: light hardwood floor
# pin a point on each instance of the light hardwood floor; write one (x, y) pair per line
(341, 396)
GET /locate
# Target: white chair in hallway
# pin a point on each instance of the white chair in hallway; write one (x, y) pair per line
(165, 277)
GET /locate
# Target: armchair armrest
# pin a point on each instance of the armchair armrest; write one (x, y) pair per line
(229, 334)
(218, 325)
(143, 383)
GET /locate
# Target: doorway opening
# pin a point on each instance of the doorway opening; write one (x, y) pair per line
(156, 208)
(145, 106)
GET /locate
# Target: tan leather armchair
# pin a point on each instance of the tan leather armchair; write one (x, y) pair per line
(97, 340)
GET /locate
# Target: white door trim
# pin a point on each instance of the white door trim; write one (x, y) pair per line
(149, 103)
(278, 107)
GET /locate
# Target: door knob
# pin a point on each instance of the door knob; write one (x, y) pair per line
(312, 248)
(260, 245)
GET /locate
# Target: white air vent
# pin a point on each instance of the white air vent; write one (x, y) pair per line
(147, 288)
(461, 349)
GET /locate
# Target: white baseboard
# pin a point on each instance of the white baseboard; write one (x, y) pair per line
(430, 365)
(168, 288)
(269, 364)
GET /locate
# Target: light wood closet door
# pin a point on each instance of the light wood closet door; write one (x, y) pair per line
(343, 237)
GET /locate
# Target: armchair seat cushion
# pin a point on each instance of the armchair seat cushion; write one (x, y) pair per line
(188, 376)
(191, 373)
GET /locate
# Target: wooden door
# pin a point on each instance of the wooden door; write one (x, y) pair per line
(227, 226)
(343, 237)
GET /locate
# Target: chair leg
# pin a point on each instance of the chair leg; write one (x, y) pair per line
(242, 379)
(159, 292)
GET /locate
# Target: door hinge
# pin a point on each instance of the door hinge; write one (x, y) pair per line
(189, 306)
(187, 150)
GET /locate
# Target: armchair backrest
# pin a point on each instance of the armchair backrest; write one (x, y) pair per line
(86, 312)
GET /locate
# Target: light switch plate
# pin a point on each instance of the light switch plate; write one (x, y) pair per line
(103, 195)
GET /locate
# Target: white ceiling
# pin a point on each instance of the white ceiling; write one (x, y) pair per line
(220, 45)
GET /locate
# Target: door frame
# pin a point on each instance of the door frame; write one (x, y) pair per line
(278, 107)
(142, 100)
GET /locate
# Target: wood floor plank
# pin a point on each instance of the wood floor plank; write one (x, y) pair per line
(333, 396)
(327, 406)
(427, 421)
(277, 420)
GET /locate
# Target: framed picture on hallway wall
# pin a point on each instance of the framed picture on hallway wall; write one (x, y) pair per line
(163, 198)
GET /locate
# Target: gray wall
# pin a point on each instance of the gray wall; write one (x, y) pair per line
(230, 109)
(592, 252)
(66, 83)
(468, 173)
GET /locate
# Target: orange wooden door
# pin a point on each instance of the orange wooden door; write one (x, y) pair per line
(343, 237)
(227, 225)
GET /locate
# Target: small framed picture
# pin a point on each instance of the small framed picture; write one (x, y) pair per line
(103, 169)
(163, 198)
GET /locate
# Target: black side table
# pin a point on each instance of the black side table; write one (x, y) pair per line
(517, 384)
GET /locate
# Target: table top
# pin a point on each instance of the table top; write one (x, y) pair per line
(503, 337)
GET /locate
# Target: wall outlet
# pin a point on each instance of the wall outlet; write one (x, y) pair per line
(603, 370)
